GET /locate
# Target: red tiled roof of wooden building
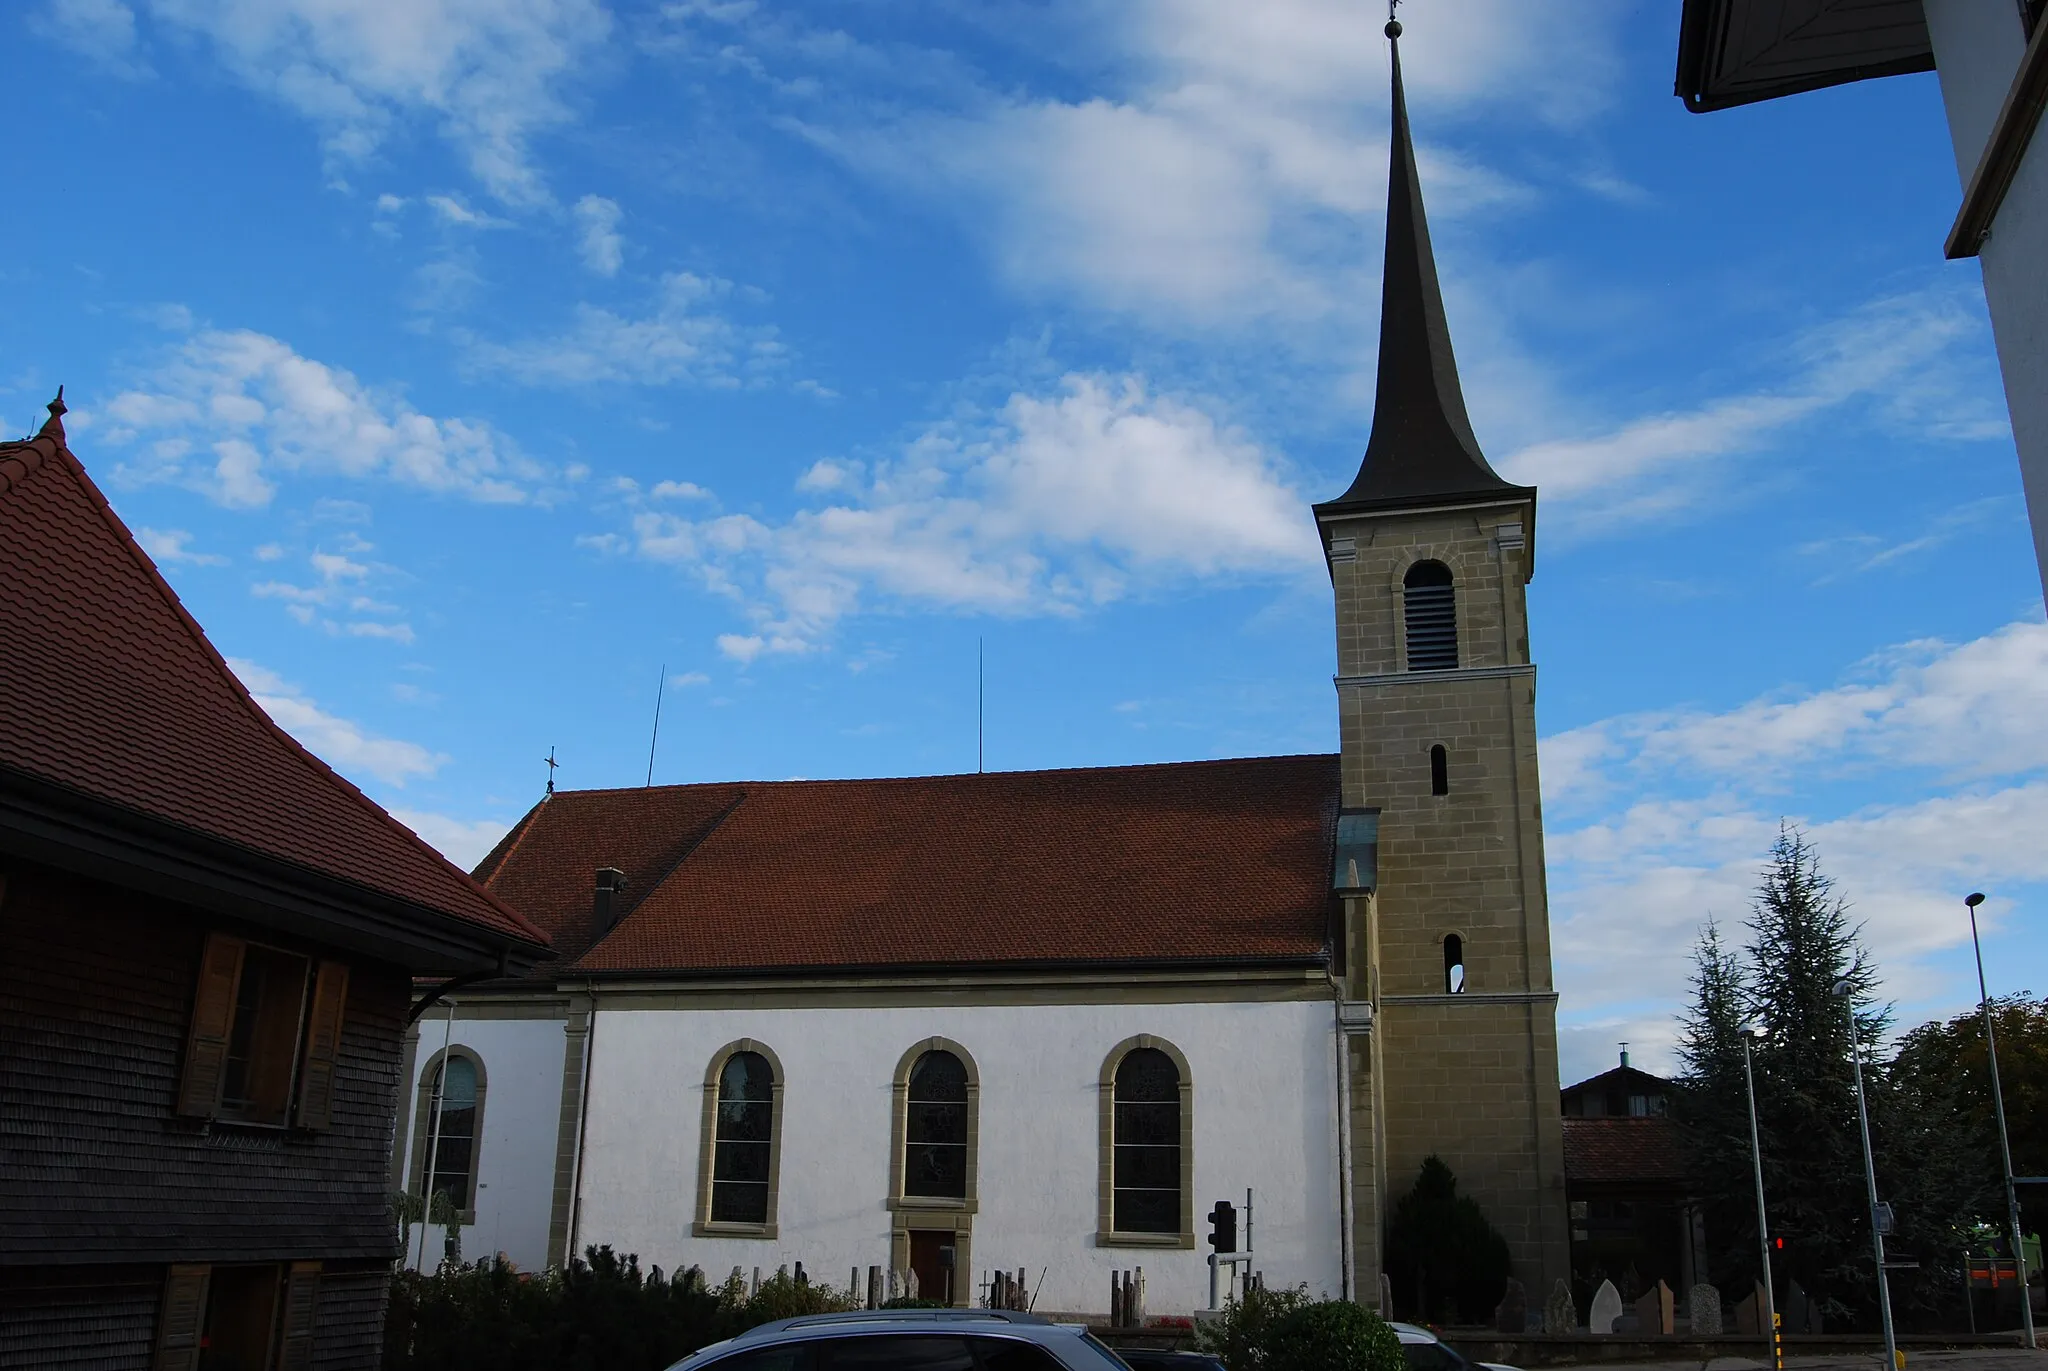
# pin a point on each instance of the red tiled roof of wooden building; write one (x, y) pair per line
(1623, 1150)
(1223, 861)
(116, 695)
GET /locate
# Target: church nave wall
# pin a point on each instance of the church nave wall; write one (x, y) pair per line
(1262, 1103)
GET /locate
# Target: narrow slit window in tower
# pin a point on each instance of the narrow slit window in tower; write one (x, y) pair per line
(1431, 607)
(1454, 964)
(1439, 771)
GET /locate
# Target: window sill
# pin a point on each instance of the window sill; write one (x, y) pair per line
(1181, 1240)
(934, 1203)
(732, 1230)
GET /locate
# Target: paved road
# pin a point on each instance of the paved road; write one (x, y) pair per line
(1969, 1359)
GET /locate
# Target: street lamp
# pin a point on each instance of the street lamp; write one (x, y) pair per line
(1749, 1032)
(2012, 1204)
(1844, 992)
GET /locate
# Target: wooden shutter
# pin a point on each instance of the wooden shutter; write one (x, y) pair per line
(301, 1308)
(181, 1319)
(213, 1015)
(323, 1046)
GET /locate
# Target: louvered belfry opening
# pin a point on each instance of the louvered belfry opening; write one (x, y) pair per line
(1431, 605)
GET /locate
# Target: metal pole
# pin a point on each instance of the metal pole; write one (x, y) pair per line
(2012, 1204)
(1763, 1226)
(1884, 1290)
(434, 1143)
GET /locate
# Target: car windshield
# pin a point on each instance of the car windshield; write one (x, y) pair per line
(1431, 1356)
(1101, 1351)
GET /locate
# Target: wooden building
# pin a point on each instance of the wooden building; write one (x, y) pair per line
(1635, 1220)
(207, 944)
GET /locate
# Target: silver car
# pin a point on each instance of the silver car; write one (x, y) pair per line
(908, 1340)
(1425, 1351)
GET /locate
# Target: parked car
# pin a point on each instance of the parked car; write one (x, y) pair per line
(1159, 1359)
(1425, 1351)
(909, 1340)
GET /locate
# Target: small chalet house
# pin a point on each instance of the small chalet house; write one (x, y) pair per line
(207, 945)
(1635, 1218)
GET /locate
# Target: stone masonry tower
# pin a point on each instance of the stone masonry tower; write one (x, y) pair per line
(1450, 1020)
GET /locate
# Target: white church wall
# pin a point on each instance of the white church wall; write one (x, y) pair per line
(1977, 51)
(1264, 1117)
(515, 1158)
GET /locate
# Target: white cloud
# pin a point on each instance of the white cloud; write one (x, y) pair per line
(230, 411)
(450, 209)
(1922, 776)
(172, 546)
(338, 591)
(464, 842)
(490, 73)
(102, 30)
(341, 743)
(1896, 354)
(597, 221)
(679, 490)
(1227, 163)
(1058, 502)
(682, 338)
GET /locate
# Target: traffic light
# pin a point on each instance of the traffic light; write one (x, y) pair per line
(1777, 1244)
(1223, 1227)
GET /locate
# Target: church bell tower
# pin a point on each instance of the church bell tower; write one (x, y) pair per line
(1450, 1018)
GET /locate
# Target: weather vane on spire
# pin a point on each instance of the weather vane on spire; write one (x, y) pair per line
(551, 770)
(1393, 24)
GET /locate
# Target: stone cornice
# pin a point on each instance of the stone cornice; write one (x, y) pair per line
(1463, 673)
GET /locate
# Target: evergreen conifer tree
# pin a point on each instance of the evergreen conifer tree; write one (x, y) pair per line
(1801, 945)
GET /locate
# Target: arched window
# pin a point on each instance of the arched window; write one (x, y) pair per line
(1430, 606)
(935, 1128)
(1147, 1162)
(1439, 771)
(1454, 964)
(450, 1114)
(746, 1126)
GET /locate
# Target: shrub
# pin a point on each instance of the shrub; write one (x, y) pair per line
(1242, 1335)
(1335, 1335)
(600, 1314)
(1447, 1263)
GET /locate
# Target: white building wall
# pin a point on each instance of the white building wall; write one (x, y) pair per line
(1977, 49)
(515, 1156)
(1264, 1117)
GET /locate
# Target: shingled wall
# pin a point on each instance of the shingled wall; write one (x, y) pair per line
(101, 1184)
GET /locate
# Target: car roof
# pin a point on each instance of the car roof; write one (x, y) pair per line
(1410, 1332)
(806, 1327)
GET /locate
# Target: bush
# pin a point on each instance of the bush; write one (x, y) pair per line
(1446, 1262)
(1286, 1330)
(600, 1314)
(1335, 1335)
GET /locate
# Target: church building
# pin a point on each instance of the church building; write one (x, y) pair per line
(1046, 1020)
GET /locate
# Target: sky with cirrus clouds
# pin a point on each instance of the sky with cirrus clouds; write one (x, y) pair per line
(470, 366)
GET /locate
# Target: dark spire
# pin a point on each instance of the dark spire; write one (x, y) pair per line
(53, 427)
(1422, 447)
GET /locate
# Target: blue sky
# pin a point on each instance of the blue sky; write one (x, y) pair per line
(467, 364)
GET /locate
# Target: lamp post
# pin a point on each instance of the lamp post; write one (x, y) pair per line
(1749, 1032)
(1844, 992)
(2012, 1204)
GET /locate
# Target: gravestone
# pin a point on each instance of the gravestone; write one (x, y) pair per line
(1796, 1311)
(1511, 1315)
(1606, 1310)
(1705, 1303)
(1560, 1315)
(1386, 1296)
(1749, 1315)
(1655, 1311)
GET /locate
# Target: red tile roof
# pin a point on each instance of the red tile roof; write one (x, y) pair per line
(1624, 1150)
(116, 694)
(1222, 861)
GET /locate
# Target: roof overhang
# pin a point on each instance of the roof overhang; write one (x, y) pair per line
(1737, 52)
(58, 827)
